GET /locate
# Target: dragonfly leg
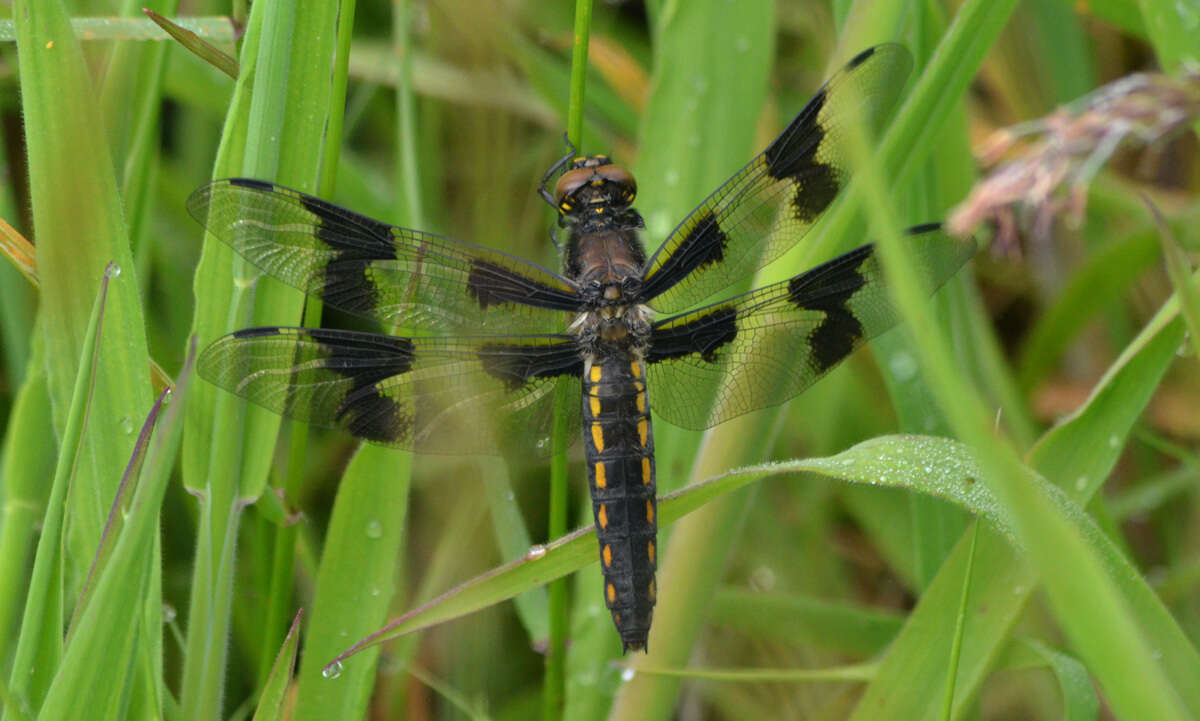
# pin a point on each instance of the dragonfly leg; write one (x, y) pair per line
(554, 170)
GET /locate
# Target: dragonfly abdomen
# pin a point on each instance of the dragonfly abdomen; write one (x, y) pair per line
(619, 451)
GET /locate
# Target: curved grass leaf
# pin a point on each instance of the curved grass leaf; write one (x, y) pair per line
(936, 467)
(271, 701)
(39, 646)
(115, 618)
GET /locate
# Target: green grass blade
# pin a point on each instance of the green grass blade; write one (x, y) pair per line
(1079, 697)
(202, 48)
(579, 71)
(274, 693)
(1173, 28)
(28, 462)
(1179, 271)
(39, 645)
(111, 624)
(79, 230)
(276, 129)
(355, 582)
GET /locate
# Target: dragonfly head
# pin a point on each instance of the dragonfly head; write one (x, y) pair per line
(594, 185)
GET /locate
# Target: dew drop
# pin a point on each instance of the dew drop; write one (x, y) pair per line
(374, 529)
(627, 674)
(374, 593)
(762, 579)
(333, 670)
(903, 366)
(535, 552)
(1114, 441)
(1081, 483)
(126, 424)
(113, 270)
(168, 613)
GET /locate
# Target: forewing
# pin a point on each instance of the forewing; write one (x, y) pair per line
(767, 206)
(766, 346)
(434, 395)
(394, 275)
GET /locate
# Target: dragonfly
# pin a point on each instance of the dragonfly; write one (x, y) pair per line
(492, 342)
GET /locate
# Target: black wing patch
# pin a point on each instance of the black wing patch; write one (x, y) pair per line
(764, 347)
(434, 395)
(394, 275)
(767, 206)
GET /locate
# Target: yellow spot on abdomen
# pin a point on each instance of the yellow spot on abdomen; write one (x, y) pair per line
(641, 402)
(594, 403)
(653, 591)
(643, 431)
(598, 437)
(602, 517)
(607, 555)
(601, 476)
(636, 368)
(650, 552)
(597, 374)
(612, 593)
(649, 510)
(645, 470)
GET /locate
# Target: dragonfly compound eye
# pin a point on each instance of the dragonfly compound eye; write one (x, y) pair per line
(568, 184)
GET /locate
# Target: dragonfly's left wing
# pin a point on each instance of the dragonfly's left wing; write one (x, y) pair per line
(764, 347)
(467, 395)
(395, 275)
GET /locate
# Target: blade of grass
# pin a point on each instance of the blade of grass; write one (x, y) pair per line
(554, 688)
(1179, 271)
(1173, 28)
(28, 462)
(960, 621)
(322, 168)
(213, 444)
(82, 688)
(202, 48)
(276, 129)
(39, 644)
(274, 693)
(579, 70)
(1079, 697)
(79, 230)
(356, 582)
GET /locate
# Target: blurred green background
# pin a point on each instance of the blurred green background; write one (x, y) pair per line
(832, 599)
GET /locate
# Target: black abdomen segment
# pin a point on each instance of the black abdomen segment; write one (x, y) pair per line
(619, 451)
